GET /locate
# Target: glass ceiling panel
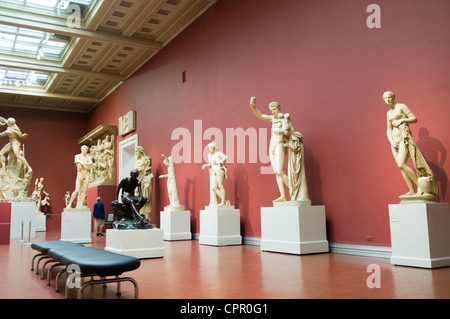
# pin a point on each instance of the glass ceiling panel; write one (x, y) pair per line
(51, 5)
(16, 77)
(27, 41)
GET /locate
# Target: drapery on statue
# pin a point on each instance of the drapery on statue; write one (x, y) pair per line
(284, 136)
(217, 174)
(15, 177)
(127, 212)
(172, 188)
(144, 166)
(83, 163)
(403, 147)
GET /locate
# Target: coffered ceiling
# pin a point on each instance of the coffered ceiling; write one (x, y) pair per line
(70, 55)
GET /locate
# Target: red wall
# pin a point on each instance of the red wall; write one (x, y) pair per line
(328, 70)
(50, 149)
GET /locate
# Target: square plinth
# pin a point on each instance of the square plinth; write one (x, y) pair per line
(420, 234)
(220, 227)
(23, 220)
(139, 243)
(176, 224)
(294, 229)
(76, 225)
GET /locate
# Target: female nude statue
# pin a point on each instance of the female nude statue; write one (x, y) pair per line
(217, 174)
(403, 147)
(172, 189)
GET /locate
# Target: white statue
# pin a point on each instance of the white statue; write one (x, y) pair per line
(14, 145)
(217, 175)
(171, 184)
(83, 163)
(144, 166)
(17, 173)
(403, 147)
(41, 202)
(284, 136)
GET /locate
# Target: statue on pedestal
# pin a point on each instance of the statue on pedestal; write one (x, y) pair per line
(403, 147)
(83, 163)
(217, 174)
(144, 167)
(285, 137)
(172, 188)
(127, 211)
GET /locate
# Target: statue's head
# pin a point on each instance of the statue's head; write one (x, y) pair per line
(140, 151)
(274, 107)
(388, 97)
(84, 149)
(212, 146)
(134, 173)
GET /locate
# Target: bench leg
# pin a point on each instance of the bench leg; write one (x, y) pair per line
(34, 258)
(49, 271)
(57, 278)
(104, 281)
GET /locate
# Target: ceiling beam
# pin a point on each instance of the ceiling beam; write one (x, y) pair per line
(23, 64)
(16, 19)
(41, 93)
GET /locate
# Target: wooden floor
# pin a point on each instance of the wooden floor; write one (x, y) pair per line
(192, 271)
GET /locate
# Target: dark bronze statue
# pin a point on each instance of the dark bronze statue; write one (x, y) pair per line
(127, 212)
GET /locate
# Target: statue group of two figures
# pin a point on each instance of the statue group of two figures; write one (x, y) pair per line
(15, 171)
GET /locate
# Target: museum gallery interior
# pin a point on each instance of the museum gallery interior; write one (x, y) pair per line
(240, 149)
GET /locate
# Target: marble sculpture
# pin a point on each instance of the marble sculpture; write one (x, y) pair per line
(284, 138)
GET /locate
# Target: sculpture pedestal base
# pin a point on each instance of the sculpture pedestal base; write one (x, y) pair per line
(176, 224)
(294, 229)
(5, 223)
(139, 243)
(41, 223)
(76, 225)
(420, 234)
(23, 212)
(220, 226)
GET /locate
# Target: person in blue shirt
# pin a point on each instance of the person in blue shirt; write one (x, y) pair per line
(99, 216)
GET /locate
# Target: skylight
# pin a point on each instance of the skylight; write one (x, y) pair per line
(17, 77)
(50, 4)
(37, 43)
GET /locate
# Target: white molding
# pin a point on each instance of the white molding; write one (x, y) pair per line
(127, 146)
(361, 250)
(344, 249)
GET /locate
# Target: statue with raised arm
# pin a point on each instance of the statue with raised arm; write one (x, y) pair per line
(83, 162)
(172, 188)
(217, 175)
(403, 148)
(127, 211)
(285, 137)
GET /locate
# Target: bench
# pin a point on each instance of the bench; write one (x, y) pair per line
(80, 261)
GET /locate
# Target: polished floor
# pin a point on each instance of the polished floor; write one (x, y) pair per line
(192, 271)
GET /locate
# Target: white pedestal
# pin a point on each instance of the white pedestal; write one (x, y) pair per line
(220, 226)
(420, 234)
(176, 224)
(41, 223)
(23, 212)
(139, 243)
(76, 225)
(294, 229)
